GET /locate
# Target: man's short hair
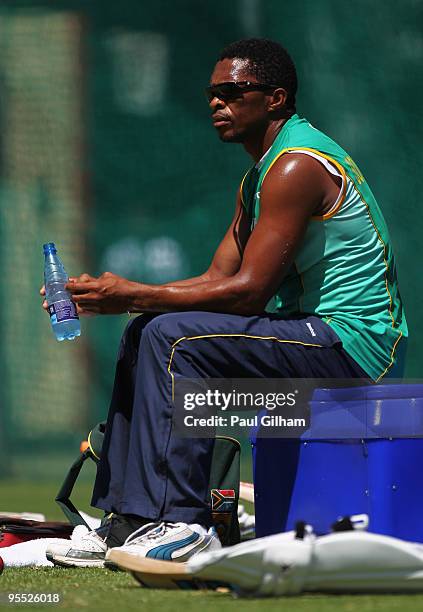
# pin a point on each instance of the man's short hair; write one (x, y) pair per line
(269, 62)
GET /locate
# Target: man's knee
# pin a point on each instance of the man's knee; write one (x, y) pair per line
(172, 326)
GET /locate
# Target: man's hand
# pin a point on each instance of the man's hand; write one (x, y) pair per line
(84, 278)
(43, 294)
(107, 294)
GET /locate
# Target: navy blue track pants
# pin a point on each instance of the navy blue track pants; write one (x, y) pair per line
(147, 471)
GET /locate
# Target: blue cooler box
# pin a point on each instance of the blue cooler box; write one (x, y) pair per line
(362, 454)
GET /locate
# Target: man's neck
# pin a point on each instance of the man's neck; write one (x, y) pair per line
(261, 144)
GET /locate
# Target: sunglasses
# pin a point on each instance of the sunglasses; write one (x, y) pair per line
(234, 89)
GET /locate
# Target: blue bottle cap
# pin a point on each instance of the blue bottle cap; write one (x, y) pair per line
(50, 247)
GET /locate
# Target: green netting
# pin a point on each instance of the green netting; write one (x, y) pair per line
(43, 385)
(106, 149)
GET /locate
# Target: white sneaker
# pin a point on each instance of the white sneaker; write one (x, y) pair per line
(84, 549)
(166, 541)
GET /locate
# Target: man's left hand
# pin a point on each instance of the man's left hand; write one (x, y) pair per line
(107, 294)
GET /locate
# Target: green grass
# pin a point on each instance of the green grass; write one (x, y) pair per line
(104, 590)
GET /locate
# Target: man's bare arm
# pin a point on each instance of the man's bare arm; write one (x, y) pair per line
(294, 189)
(226, 261)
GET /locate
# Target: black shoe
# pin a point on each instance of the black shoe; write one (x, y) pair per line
(115, 528)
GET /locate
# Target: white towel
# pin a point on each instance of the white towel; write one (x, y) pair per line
(32, 553)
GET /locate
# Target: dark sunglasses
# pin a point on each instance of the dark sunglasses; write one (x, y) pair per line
(234, 89)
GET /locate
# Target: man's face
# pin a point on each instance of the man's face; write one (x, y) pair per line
(244, 115)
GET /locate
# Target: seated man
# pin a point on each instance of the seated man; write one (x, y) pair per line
(306, 232)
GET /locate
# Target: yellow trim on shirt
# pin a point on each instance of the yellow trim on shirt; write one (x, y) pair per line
(384, 254)
(240, 188)
(338, 166)
(392, 358)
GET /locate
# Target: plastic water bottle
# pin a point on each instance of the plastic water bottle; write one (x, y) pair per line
(63, 316)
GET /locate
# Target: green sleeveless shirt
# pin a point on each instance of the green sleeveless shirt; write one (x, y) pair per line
(344, 271)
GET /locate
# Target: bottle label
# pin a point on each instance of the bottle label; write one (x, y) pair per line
(65, 310)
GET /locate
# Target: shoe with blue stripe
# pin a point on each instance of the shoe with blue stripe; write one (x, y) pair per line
(167, 542)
